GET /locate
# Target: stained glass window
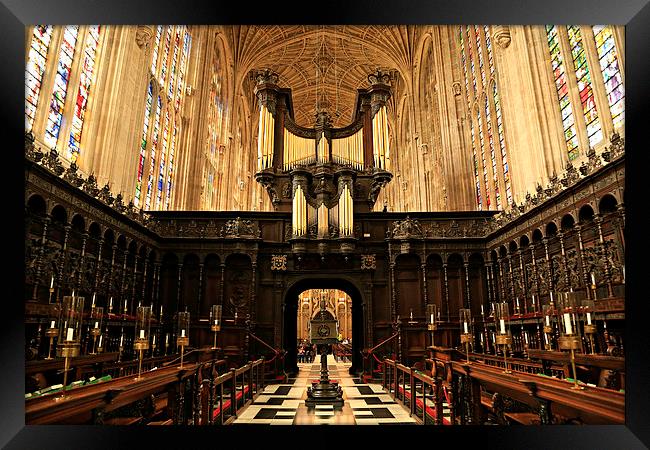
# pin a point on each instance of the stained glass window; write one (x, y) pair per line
(85, 80)
(154, 145)
(493, 158)
(476, 175)
(559, 74)
(485, 170)
(583, 78)
(488, 46)
(182, 68)
(143, 144)
(154, 59)
(464, 61)
(172, 70)
(502, 144)
(163, 154)
(609, 66)
(471, 60)
(62, 78)
(479, 52)
(163, 67)
(171, 168)
(41, 37)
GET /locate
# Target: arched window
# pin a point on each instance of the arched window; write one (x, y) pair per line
(559, 74)
(609, 66)
(594, 65)
(41, 37)
(61, 81)
(65, 80)
(490, 175)
(168, 68)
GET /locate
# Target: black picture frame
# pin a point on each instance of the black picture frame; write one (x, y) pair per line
(16, 14)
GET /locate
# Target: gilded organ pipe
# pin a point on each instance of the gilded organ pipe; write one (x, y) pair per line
(265, 139)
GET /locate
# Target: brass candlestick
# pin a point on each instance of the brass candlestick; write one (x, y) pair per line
(465, 338)
(183, 338)
(69, 334)
(51, 332)
(569, 331)
(140, 345)
(588, 309)
(142, 329)
(215, 322)
(503, 335)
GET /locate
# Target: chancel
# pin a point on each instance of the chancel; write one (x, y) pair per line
(334, 224)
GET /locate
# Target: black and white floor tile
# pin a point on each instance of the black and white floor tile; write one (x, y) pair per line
(279, 404)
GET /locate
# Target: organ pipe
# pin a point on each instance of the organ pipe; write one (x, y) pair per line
(298, 151)
(323, 221)
(299, 213)
(348, 151)
(345, 212)
(380, 144)
(265, 139)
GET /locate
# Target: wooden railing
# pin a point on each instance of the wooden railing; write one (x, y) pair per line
(165, 396)
(413, 388)
(370, 359)
(275, 364)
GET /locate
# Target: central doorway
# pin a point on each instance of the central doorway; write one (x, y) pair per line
(343, 301)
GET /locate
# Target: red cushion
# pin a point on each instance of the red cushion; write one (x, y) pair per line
(430, 411)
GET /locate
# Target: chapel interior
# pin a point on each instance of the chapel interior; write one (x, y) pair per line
(328, 224)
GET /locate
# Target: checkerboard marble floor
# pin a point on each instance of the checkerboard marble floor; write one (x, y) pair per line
(365, 403)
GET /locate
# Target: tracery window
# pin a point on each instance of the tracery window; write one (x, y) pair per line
(59, 75)
(491, 174)
(167, 84)
(593, 65)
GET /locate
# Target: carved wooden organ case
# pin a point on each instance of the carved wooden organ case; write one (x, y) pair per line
(323, 175)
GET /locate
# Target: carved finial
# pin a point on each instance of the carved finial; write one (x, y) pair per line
(265, 76)
(379, 77)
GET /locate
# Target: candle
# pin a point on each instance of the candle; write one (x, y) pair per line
(93, 304)
(623, 273)
(526, 337)
(100, 340)
(502, 326)
(551, 297)
(121, 340)
(96, 324)
(546, 338)
(593, 280)
(548, 321)
(465, 327)
(68, 337)
(154, 340)
(482, 310)
(216, 322)
(52, 324)
(52, 282)
(141, 334)
(588, 318)
(182, 333)
(517, 299)
(73, 292)
(431, 319)
(110, 304)
(124, 306)
(567, 323)
(167, 339)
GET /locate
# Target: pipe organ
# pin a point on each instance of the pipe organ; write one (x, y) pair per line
(323, 175)
(348, 151)
(265, 139)
(298, 151)
(380, 143)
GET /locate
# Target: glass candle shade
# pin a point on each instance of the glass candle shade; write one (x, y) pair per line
(548, 311)
(53, 320)
(588, 311)
(568, 321)
(502, 322)
(70, 326)
(96, 318)
(465, 325)
(142, 328)
(215, 317)
(432, 316)
(183, 336)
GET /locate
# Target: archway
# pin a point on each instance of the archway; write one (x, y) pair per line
(290, 318)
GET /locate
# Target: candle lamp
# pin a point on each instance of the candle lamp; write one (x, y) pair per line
(51, 289)
(215, 321)
(503, 335)
(142, 330)
(70, 334)
(96, 317)
(588, 310)
(534, 303)
(517, 310)
(121, 346)
(569, 330)
(593, 284)
(465, 329)
(548, 311)
(432, 324)
(183, 337)
(53, 330)
(110, 306)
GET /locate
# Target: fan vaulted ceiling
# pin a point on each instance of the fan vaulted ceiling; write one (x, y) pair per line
(323, 65)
